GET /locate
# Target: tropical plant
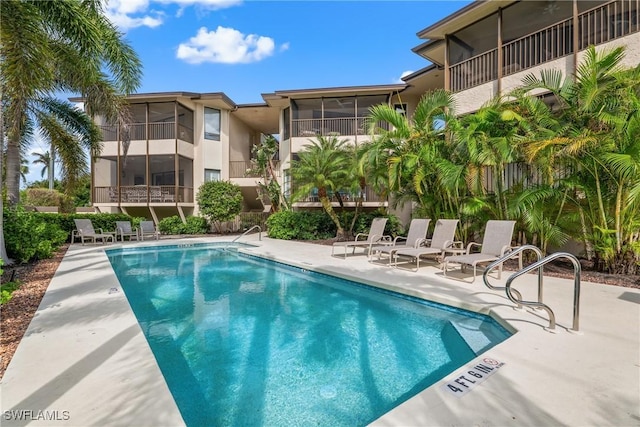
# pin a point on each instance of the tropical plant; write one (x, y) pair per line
(408, 159)
(265, 166)
(597, 144)
(219, 201)
(323, 165)
(49, 47)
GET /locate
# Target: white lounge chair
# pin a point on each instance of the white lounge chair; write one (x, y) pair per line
(124, 229)
(495, 243)
(148, 228)
(364, 240)
(84, 230)
(442, 238)
(415, 237)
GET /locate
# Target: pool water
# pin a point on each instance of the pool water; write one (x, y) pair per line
(245, 341)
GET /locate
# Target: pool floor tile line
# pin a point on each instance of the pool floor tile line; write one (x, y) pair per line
(84, 359)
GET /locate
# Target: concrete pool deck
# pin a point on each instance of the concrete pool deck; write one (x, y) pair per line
(85, 361)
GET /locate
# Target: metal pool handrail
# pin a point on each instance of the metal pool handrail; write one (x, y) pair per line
(539, 264)
(247, 232)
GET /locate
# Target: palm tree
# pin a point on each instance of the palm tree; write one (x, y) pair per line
(410, 154)
(599, 137)
(323, 165)
(60, 46)
(43, 159)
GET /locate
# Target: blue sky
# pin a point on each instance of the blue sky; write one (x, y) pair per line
(246, 48)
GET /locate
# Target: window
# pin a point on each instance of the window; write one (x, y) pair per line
(211, 124)
(211, 175)
(401, 108)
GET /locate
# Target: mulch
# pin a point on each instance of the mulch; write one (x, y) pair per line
(16, 315)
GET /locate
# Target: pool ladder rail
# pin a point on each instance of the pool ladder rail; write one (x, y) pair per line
(247, 232)
(516, 297)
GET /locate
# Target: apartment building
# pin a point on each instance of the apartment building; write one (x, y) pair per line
(175, 142)
(178, 140)
(486, 48)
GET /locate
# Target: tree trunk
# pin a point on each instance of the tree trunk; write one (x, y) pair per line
(13, 171)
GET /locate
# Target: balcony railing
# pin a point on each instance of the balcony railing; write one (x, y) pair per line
(324, 127)
(143, 194)
(138, 132)
(596, 26)
(547, 44)
(243, 169)
(474, 71)
(368, 196)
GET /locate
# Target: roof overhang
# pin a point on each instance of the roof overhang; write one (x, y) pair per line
(341, 91)
(463, 18)
(261, 117)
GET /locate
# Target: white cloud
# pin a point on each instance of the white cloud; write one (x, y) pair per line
(120, 13)
(399, 79)
(225, 45)
(127, 14)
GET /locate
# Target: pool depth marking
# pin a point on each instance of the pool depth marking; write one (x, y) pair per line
(474, 374)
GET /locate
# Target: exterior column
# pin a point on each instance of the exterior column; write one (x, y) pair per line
(576, 39)
(500, 56)
(447, 77)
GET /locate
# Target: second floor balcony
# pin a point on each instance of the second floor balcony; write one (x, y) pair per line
(143, 194)
(144, 131)
(328, 127)
(596, 26)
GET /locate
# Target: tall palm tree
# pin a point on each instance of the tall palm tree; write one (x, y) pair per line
(323, 165)
(59, 46)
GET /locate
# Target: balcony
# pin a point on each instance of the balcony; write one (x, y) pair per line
(369, 196)
(596, 26)
(135, 194)
(243, 169)
(139, 131)
(328, 127)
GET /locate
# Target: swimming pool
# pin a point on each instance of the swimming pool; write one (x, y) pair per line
(245, 341)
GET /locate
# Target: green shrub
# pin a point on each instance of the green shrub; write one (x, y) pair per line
(174, 225)
(170, 225)
(106, 221)
(46, 197)
(219, 201)
(195, 225)
(29, 237)
(6, 291)
(316, 225)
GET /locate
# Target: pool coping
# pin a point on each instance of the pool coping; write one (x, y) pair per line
(98, 369)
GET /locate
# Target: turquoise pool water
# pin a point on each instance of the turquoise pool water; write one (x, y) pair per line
(245, 341)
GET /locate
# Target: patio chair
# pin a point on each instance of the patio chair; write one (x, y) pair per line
(84, 230)
(442, 238)
(148, 228)
(364, 240)
(415, 237)
(124, 229)
(495, 243)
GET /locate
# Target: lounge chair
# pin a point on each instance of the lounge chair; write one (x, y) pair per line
(85, 231)
(495, 243)
(124, 229)
(442, 238)
(415, 237)
(148, 228)
(364, 240)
